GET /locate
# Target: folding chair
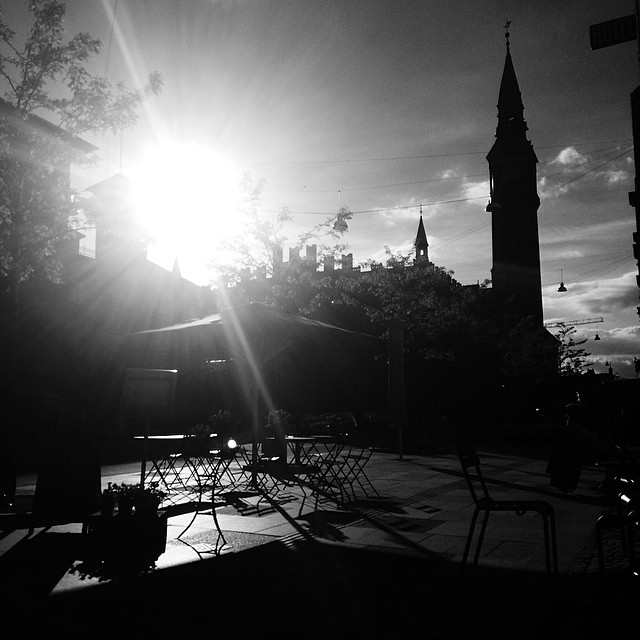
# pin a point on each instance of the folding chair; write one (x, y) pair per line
(207, 469)
(486, 504)
(352, 474)
(271, 474)
(626, 520)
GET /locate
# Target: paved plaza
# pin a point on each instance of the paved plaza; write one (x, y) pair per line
(386, 561)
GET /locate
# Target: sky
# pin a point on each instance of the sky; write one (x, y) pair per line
(384, 105)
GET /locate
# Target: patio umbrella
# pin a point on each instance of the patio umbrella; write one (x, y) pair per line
(273, 352)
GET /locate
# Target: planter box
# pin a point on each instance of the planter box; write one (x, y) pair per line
(121, 539)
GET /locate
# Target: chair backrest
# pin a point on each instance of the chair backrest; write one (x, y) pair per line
(473, 474)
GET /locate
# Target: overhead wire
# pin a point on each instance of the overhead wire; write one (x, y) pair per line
(414, 157)
(604, 151)
(606, 264)
(455, 200)
(391, 185)
(378, 209)
(604, 270)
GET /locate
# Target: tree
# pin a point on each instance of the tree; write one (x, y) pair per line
(426, 298)
(292, 285)
(47, 75)
(572, 358)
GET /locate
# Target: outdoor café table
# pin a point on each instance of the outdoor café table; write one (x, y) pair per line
(296, 445)
(321, 452)
(157, 449)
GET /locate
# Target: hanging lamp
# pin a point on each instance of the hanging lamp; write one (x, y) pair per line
(340, 225)
(562, 288)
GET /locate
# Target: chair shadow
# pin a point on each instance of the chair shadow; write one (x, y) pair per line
(597, 501)
(327, 524)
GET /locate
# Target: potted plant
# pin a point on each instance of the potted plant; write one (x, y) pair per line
(131, 499)
(138, 533)
(146, 500)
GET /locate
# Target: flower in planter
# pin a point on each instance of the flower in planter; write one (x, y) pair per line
(132, 496)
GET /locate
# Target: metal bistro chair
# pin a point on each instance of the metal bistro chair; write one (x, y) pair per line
(486, 504)
(209, 468)
(351, 472)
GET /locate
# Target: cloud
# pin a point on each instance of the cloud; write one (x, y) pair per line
(598, 297)
(577, 169)
(475, 189)
(569, 157)
(613, 176)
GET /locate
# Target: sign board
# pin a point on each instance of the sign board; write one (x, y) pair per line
(606, 34)
(148, 392)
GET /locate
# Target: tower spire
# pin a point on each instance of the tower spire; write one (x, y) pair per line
(512, 126)
(514, 202)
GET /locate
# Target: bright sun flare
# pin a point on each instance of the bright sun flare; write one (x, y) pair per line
(187, 198)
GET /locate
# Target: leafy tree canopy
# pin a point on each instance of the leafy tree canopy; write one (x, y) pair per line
(241, 265)
(49, 97)
(572, 357)
(431, 305)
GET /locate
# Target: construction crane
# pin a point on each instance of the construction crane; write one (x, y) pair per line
(574, 323)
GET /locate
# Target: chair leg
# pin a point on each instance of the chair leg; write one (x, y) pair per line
(483, 529)
(215, 516)
(547, 550)
(600, 551)
(554, 542)
(467, 546)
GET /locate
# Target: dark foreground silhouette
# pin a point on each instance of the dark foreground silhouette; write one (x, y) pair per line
(308, 589)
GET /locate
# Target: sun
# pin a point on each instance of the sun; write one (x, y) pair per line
(188, 199)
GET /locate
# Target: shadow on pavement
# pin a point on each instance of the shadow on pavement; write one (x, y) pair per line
(313, 589)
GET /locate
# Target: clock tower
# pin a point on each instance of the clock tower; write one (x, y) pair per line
(514, 206)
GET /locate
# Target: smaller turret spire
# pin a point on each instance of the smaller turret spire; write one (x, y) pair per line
(421, 244)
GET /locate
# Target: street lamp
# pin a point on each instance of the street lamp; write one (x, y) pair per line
(562, 288)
